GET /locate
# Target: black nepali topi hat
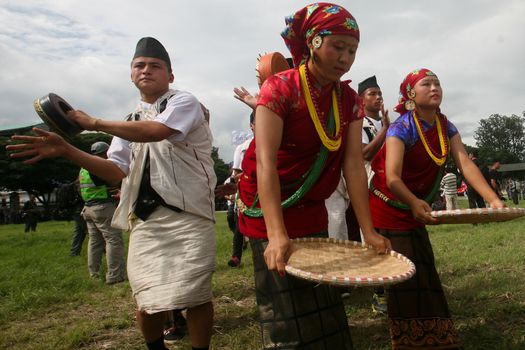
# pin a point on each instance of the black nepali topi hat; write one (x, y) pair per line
(52, 109)
(151, 47)
(366, 84)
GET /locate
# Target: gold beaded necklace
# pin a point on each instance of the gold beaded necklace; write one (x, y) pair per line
(332, 143)
(438, 158)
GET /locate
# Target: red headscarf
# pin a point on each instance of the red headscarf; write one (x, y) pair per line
(406, 89)
(316, 19)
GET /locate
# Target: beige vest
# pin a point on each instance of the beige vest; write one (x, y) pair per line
(181, 172)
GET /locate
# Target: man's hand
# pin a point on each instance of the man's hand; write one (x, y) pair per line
(85, 121)
(45, 145)
(384, 116)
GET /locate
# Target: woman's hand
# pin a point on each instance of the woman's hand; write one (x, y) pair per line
(421, 212)
(497, 203)
(380, 243)
(277, 253)
(244, 96)
(45, 145)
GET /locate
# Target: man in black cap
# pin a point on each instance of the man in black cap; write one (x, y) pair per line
(375, 125)
(162, 155)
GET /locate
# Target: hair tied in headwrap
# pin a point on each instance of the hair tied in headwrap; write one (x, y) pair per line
(312, 22)
(406, 90)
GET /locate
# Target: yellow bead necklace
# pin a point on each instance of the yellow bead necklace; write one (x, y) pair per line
(438, 158)
(331, 143)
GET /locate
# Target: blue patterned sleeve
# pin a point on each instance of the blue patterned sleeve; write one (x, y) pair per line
(402, 130)
(452, 130)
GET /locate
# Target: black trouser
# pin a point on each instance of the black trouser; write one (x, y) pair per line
(230, 217)
(30, 224)
(474, 199)
(295, 313)
(238, 239)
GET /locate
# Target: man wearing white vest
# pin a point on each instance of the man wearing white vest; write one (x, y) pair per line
(162, 155)
(375, 125)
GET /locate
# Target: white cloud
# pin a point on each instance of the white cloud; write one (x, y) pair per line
(82, 49)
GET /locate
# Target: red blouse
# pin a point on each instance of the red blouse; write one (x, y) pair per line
(419, 174)
(299, 148)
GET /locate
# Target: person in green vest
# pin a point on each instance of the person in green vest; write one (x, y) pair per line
(99, 207)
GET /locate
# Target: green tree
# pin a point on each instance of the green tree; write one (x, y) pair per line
(501, 137)
(222, 170)
(43, 177)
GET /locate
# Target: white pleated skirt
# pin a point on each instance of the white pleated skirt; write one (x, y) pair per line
(171, 260)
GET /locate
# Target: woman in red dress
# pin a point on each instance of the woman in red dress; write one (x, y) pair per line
(307, 129)
(408, 171)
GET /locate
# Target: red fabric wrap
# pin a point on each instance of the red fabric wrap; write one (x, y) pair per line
(419, 174)
(299, 148)
(316, 19)
(408, 84)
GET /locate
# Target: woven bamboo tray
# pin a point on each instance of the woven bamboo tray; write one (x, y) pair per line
(346, 263)
(476, 216)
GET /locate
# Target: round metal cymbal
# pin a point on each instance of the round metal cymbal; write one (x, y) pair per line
(52, 109)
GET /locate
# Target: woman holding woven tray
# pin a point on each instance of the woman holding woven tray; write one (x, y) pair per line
(306, 126)
(408, 170)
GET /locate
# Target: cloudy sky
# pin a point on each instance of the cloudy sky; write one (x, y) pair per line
(81, 50)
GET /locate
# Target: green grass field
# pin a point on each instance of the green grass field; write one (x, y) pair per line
(48, 301)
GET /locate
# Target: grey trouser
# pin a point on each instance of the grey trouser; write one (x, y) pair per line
(103, 237)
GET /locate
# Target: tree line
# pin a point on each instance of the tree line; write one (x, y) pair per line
(42, 178)
(497, 137)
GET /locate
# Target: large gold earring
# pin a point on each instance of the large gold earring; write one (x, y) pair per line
(411, 94)
(317, 41)
(410, 105)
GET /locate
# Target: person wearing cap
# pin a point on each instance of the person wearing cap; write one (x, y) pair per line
(375, 125)
(306, 127)
(376, 121)
(98, 211)
(407, 173)
(373, 136)
(162, 154)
